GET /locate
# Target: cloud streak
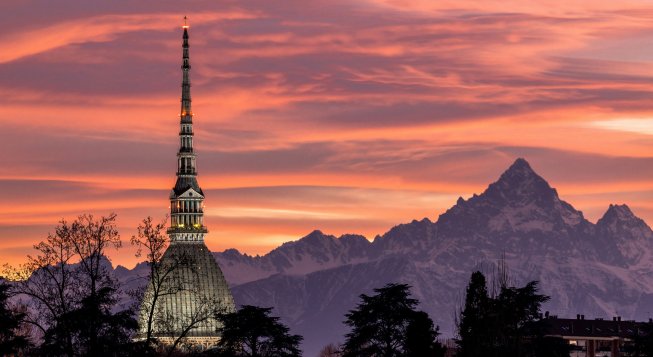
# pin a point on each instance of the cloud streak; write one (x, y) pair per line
(307, 118)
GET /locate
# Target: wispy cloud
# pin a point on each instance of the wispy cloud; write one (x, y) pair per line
(634, 125)
(332, 114)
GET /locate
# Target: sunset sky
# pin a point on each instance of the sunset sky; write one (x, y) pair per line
(344, 116)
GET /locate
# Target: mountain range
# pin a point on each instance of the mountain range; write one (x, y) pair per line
(600, 269)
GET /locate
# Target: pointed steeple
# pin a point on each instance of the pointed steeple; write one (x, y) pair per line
(186, 112)
(186, 198)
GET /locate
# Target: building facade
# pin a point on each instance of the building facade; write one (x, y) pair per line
(598, 337)
(185, 302)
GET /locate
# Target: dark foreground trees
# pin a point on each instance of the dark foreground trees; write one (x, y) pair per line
(93, 315)
(643, 343)
(71, 293)
(12, 339)
(251, 331)
(387, 325)
(505, 325)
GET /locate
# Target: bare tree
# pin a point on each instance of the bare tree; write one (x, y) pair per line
(152, 240)
(500, 277)
(68, 272)
(167, 275)
(178, 328)
(49, 283)
(330, 350)
(89, 239)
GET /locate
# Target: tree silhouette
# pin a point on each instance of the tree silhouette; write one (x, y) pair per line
(421, 337)
(251, 331)
(330, 350)
(12, 341)
(473, 321)
(387, 325)
(505, 325)
(71, 291)
(93, 316)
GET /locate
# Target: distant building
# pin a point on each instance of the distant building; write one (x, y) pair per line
(598, 337)
(202, 282)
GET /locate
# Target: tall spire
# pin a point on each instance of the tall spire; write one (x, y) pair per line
(186, 198)
(186, 112)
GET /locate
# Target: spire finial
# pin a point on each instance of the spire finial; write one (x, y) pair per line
(185, 22)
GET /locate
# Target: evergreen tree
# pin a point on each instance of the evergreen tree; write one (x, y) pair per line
(11, 339)
(473, 321)
(505, 325)
(381, 325)
(251, 331)
(516, 321)
(111, 332)
(421, 337)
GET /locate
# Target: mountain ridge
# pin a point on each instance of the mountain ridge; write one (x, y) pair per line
(589, 268)
(600, 269)
(533, 194)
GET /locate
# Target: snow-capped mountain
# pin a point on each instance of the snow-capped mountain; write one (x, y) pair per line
(601, 269)
(314, 252)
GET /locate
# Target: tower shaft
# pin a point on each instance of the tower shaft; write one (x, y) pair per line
(188, 286)
(186, 198)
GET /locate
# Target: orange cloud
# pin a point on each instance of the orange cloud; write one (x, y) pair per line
(309, 119)
(96, 29)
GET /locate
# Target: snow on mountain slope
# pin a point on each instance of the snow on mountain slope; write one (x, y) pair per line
(601, 269)
(631, 235)
(313, 252)
(598, 269)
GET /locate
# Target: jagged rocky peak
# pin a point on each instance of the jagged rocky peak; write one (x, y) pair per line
(405, 235)
(316, 237)
(618, 212)
(231, 252)
(521, 185)
(353, 240)
(520, 200)
(621, 216)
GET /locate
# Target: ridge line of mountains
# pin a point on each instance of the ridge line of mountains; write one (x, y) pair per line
(600, 269)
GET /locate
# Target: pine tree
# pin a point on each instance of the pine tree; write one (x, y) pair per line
(252, 332)
(381, 324)
(507, 324)
(421, 337)
(473, 321)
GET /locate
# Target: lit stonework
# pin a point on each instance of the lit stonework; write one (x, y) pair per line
(201, 284)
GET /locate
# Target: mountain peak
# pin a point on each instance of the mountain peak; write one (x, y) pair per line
(520, 164)
(622, 211)
(520, 169)
(519, 200)
(316, 237)
(521, 184)
(618, 213)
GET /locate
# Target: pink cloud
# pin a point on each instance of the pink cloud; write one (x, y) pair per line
(308, 114)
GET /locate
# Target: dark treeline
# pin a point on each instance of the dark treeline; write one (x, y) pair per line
(64, 302)
(507, 323)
